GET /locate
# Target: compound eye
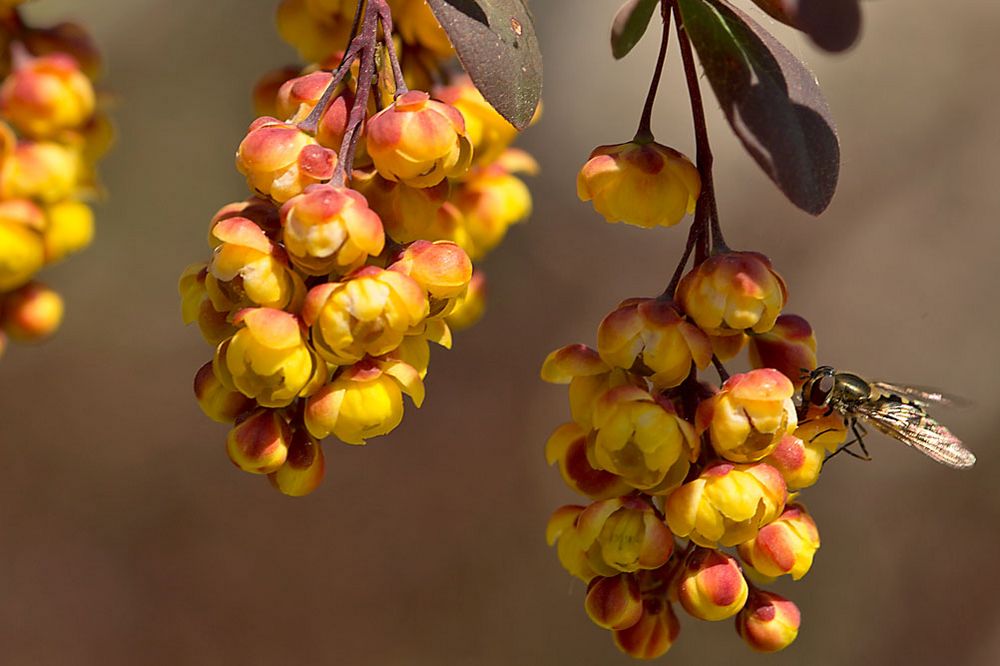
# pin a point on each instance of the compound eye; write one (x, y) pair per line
(819, 395)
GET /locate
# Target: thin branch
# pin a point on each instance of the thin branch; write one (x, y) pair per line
(645, 133)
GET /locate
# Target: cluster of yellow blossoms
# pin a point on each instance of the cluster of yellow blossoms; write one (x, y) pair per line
(323, 292)
(51, 135)
(678, 470)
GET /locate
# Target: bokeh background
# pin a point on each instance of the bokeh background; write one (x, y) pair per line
(128, 538)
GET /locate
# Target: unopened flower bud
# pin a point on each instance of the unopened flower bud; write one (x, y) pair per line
(259, 443)
(219, 402)
(22, 251)
(443, 269)
(768, 622)
(711, 586)
(32, 313)
(303, 469)
(470, 307)
(45, 96)
(70, 228)
(615, 602)
(786, 546)
(789, 347)
(653, 635)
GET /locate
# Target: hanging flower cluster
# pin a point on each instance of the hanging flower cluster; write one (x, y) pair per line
(692, 488)
(52, 132)
(370, 202)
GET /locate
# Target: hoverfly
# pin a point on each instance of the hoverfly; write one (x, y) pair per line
(897, 411)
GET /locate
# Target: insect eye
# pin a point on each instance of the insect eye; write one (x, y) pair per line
(819, 395)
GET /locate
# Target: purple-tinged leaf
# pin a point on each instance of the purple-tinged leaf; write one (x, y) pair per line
(630, 25)
(834, 25)
(770, 99)
(496, 42)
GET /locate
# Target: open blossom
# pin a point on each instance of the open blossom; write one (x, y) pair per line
(268, 358)
(653, 334)
(489, 132)
(642, 184)
(733, 292)
(368, 313)
(748, 417)
(727, 504)
(419, 141)
(364, 401)
(641, 438)
(624, 534)
(248, 269)
(588, 377)
(490, 200)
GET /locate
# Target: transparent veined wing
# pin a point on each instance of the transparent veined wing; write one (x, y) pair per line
(910, 424)
(922, 395)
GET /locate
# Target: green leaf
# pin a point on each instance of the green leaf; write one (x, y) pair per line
(630, 25)
(772, 102)
(496, 42)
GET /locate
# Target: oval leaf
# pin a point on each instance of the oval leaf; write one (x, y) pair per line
(834, 25)
(771, 100)
(496, 42)
(630, 25)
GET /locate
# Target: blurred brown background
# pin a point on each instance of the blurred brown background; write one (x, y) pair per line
(128, 538)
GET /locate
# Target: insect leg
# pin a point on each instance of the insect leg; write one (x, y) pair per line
(845, 449)
(859, 437)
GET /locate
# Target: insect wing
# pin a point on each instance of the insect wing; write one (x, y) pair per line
(924, 396)
(911, 425)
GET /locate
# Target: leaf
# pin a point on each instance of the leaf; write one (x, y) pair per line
(834, 25)
(770, 99)
(630, 25)
(496, 42)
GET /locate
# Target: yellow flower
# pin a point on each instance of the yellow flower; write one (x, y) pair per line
(711, 586)
(733, 292)
(196, 306)
(442, 268)
(40, 170)
(748, 417)
(417, 24)
(490, 200)
(407, 213)
(330, 229)
(489, 132)
(624, 534)
(651, 333)
(268, 359)
(32, 313)
(642, 184)
(219, 402)
(248, 269)
(279, 160)
(470, 307)
(368, 313)
(45, 96)
(727, 504)
(768, 622)
(641, 438)
(314, 40)
(303, 468)
(70, 228)
(364, 401)
(786, 546)
(418, 141)
(561, 531)
(22, 251)
(259, 443)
